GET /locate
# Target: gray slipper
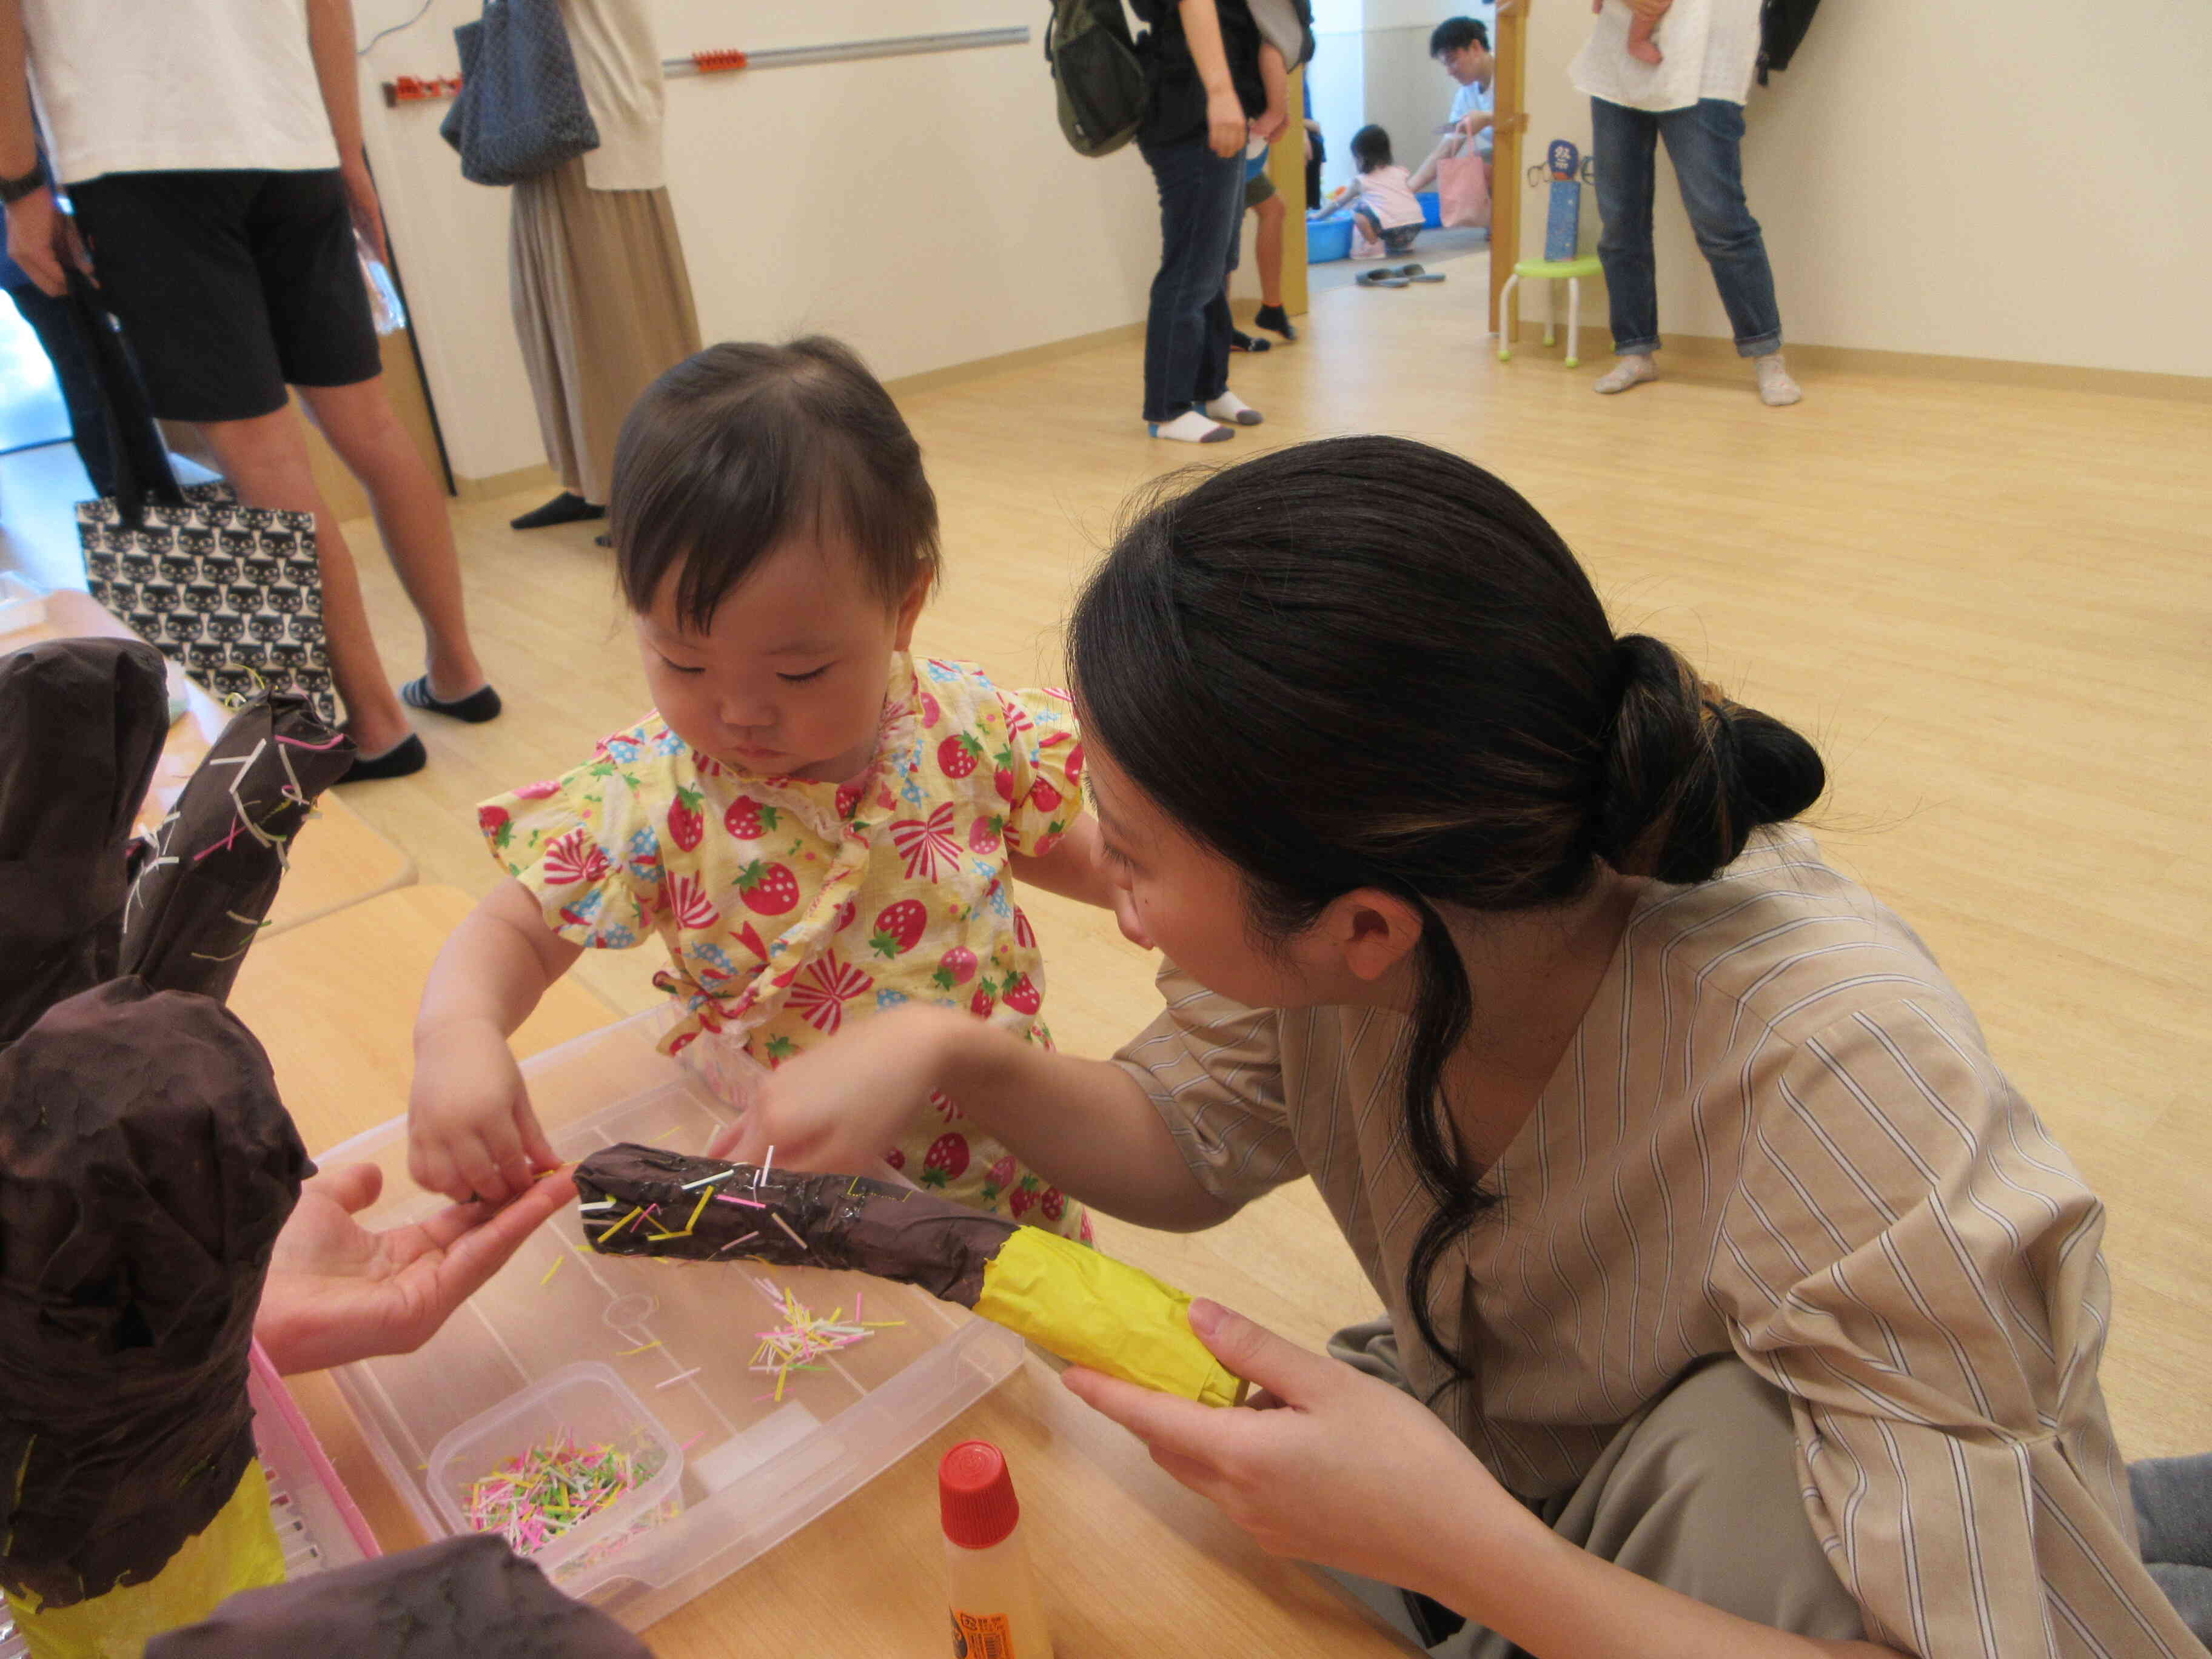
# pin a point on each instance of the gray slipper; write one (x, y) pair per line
(1382, 278)
(1416, 274)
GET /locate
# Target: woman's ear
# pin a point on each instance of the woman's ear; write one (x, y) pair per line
(909, 612)
(1369, 931)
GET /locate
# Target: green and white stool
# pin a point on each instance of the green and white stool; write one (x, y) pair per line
(1571, 272)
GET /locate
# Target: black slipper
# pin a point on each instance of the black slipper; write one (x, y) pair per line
(1240, 341)
(480, 705)
(567, 507)
(403, 759)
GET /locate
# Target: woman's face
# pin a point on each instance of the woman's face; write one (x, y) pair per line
(1191, 902)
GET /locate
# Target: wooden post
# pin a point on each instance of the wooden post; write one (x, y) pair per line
(1287, 165)
(1505, 185)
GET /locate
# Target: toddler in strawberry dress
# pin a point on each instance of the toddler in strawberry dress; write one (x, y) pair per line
(813, 823)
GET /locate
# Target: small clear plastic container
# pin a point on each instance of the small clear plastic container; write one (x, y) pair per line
(746, 1469)
(586, 1404)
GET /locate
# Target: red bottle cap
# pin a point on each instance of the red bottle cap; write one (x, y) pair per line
(976, 1495)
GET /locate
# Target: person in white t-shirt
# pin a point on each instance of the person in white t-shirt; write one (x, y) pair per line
(1693, 98)
(1461, 46)
(602, 296)
(212, 151)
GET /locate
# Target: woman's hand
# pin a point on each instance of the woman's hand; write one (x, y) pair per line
(1226, 128)
(837, 1106)
(1339, 1469)
(337, 1292)
(1335, 1468)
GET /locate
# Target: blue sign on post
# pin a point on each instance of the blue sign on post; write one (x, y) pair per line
(1568, 170)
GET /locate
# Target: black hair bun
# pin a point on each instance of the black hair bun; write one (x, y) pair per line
(1689, 775)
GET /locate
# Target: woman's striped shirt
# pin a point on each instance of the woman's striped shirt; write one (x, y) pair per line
(1779, 1132)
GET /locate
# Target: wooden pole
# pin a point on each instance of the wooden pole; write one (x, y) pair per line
(1509, 109)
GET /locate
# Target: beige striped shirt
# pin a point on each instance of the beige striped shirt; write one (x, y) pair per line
(1779, 1132)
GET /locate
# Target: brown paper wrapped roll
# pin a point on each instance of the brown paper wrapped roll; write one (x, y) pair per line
(215, 866)
(1063, 1295)
(84, 720)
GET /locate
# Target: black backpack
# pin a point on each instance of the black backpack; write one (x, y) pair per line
(1099, 77)
(1782, 26)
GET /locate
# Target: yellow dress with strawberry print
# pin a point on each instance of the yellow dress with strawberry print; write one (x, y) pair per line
(789, 907)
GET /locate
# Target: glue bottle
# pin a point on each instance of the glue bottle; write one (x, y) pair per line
(987, 1569)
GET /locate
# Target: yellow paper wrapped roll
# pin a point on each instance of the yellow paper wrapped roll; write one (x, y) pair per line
(237, 1551)
(1093, 1310)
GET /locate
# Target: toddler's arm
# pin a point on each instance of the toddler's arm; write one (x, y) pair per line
(471, 1130)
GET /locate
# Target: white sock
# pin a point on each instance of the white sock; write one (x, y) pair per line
(1230, 407)
(1775, 389)
(1191, 427)
(1634, 370)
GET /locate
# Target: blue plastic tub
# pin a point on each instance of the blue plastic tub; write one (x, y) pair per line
(1433, 208)
(1328, 239)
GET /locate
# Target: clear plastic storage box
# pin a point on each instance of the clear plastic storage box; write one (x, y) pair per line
(653, 1354)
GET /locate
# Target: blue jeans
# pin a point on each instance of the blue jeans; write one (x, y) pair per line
(1705, 143)
(1187, 328)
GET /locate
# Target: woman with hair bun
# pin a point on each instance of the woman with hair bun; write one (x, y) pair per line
(1737, 1303)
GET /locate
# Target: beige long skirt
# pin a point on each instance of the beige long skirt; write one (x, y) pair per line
(602, 305)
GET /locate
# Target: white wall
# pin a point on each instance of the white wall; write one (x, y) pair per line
(926, 208)
(1338, 78)
(2030, 183)
(1338, 75)
(1408, 96)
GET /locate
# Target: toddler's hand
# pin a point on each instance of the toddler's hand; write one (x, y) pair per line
(471, 1131)
(837, 1106)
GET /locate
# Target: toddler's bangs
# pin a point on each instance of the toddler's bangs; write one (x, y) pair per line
(734, 452)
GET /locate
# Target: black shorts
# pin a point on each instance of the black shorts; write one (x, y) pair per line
(231, 285)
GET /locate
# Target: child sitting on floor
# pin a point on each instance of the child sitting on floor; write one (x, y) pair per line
(815, 824)
(1384, 200)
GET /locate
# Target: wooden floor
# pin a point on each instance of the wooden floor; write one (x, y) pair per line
(1991, 606)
